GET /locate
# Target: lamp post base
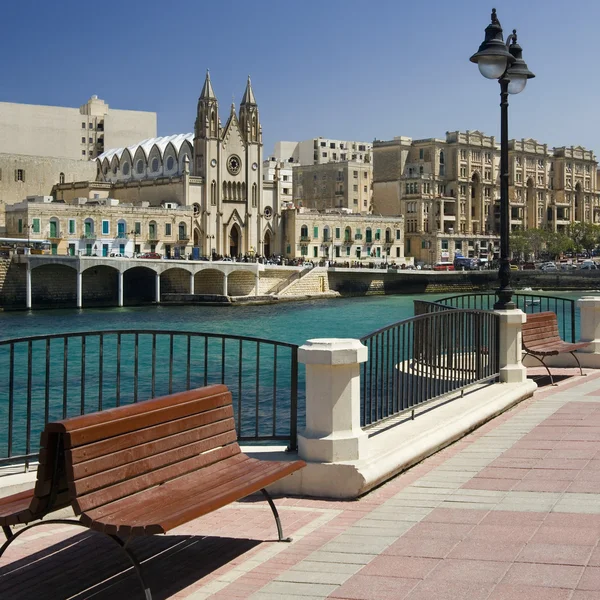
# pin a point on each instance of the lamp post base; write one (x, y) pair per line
(505, 292)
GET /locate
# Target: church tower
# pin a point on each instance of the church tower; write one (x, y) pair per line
(249, 121)
(206, 129)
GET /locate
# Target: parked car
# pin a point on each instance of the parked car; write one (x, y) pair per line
(514, 267)
(150, 255)
(116, 255)
(443, 266)
(528, 266)
(588, 265)
(549, 267)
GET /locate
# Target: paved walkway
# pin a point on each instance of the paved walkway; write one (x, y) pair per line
(512, 511)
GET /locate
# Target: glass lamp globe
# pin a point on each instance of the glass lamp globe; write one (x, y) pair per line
(517, 84)
(492, 67)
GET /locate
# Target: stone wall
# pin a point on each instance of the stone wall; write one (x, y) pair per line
(315, 282)
(12, 284)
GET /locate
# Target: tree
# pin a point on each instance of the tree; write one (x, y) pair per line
(558, 243)
(585, 236)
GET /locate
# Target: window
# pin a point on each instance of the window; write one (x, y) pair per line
(154, 165)
(140, 167)
(20, 175)
(324, 154)
(323, 144)
(444, 244)
(91, 126)
(83, 140)
(126, 169)
(35, 226)
(315, 251)
(71, 226)
(316, 232)
(90, 153)
(355, 174)
(83, 153)
(488, 157)
(421, 170)
(137, 228)
(365, 189)
(91, 140)
(421, 153)
(355, 188)
(285, 178)
(378, 235)
(355, 201)
(463, 171)
(61, 178)
(337, 233)
(20, 225)
(105, 227)
(397, 234)
(332, 145)
(463, 154)
(83, 126)
(170, 163)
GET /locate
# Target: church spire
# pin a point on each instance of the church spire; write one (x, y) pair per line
(207, 90)
(248, 95)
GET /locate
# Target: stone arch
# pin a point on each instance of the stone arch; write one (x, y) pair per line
(53, 285)
(185, 150)
(209, 281)
(139, 285)
(235, 240)
(267, 241)
(175, 281)
(241, 283)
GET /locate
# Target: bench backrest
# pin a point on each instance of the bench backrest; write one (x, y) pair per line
(118, 452)
(540, 328)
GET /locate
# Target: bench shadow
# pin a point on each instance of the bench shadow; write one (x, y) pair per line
(544, 380)
(90, 565)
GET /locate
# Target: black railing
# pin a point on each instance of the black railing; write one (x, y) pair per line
(423, 358)
(528, 303)
(53, 377)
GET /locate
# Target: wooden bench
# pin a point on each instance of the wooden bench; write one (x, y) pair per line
(541, 338)
(143, 469)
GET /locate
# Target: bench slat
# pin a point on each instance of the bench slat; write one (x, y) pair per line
(136, 468)
(125, 440)
(149, 449)
(133, 486)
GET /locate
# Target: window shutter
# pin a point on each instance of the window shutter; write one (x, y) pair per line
(16, 174)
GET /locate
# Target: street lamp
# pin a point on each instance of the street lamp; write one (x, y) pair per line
(505, 63)
(134, 233)
(211, 250)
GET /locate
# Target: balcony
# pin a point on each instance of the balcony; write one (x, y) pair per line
(304, 239)
(122, 236)
(183, 237)
(348, 241)
(55, 235)
(89, 235)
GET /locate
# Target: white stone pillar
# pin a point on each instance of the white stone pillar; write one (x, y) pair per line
(157, 288)
(79, 289)
(589, 307)
(28, 286)
(256, 283)
(120, 288)
(192, 284)
(224, 284)
(511, 351)
(333, 431)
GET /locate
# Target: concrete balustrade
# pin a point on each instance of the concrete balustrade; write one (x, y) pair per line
(512, 369)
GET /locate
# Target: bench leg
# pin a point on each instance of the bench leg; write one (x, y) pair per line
(578, 363)
(7, 531)
(276, 515)
(545, 365)
(134, 562)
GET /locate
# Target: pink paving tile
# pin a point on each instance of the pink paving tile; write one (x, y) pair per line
(559, 576)
(456, 531)
(477, 549)
(595, 558)
(482, 483)
(511, 518)
(503, 533)
(480, 571)
(423, 547)
(590, 580)
(584, 595)
(450, 590)
(551, 474)
(565, 535)
(362, 587)
(528, 592)
(556, 554)
(584, 487)
(573, 520)
(545, 485)
(515, 452)
(407, 567)
(455, 515)
(589, 475)
(515, 463)
(502, 473)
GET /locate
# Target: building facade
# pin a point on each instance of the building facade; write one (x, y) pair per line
(449, 191)
(101, 227)
(340, 236)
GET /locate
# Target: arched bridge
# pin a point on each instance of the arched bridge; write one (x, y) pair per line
(134, 274)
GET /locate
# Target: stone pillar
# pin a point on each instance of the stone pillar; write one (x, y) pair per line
(79, 289)
(256, 283)
(157, 299)
(192, 275)
(28, 286)
(511, 324)
(590, 323)
(224, 284)
(333, 431)
(120, 288)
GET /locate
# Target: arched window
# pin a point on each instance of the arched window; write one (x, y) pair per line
(170, 163)
(126, 169)
(348, 234)
(61, 178)
(152, 230)
(213, 123)
(225, 196)
(326, 235)
(213, 193)
(304, 232)
(182, 233)
(369, 235)
(196, 208)
(388, 236)
(140, 167)
(254, 195)
(442, 163)
(115, 168)
(154, 164)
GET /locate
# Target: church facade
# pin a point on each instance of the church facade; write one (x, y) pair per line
(216, 171)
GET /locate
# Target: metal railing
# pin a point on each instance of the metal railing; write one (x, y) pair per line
(423, 358)
(528, 303)
(53, 377)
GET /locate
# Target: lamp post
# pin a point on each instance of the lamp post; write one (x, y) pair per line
(211, 250)
(505, 63)
(133, 232)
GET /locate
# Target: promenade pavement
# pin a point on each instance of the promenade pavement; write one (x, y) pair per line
(510, 512)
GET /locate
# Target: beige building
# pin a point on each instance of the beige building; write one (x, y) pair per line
(318, 151)
(101, 227)
(449, 190)
(75, 133)
(335, 185)
(280, 173)
(338, 235)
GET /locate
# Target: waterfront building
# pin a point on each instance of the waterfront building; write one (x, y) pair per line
(449, 191)
(320, 150)
(336, 235)
(217, 171)
(43, 145)
(102, 226)
(281, 174)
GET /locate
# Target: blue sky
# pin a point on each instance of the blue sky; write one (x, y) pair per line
(342, 69)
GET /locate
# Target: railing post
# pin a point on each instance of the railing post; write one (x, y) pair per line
(511, 346)
(333, 431)
(589, 307)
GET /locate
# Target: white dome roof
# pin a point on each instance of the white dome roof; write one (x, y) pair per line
(161, 144)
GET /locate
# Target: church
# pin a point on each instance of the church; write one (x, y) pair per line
(213, 177)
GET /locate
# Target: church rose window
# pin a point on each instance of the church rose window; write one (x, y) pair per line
(170, 163)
